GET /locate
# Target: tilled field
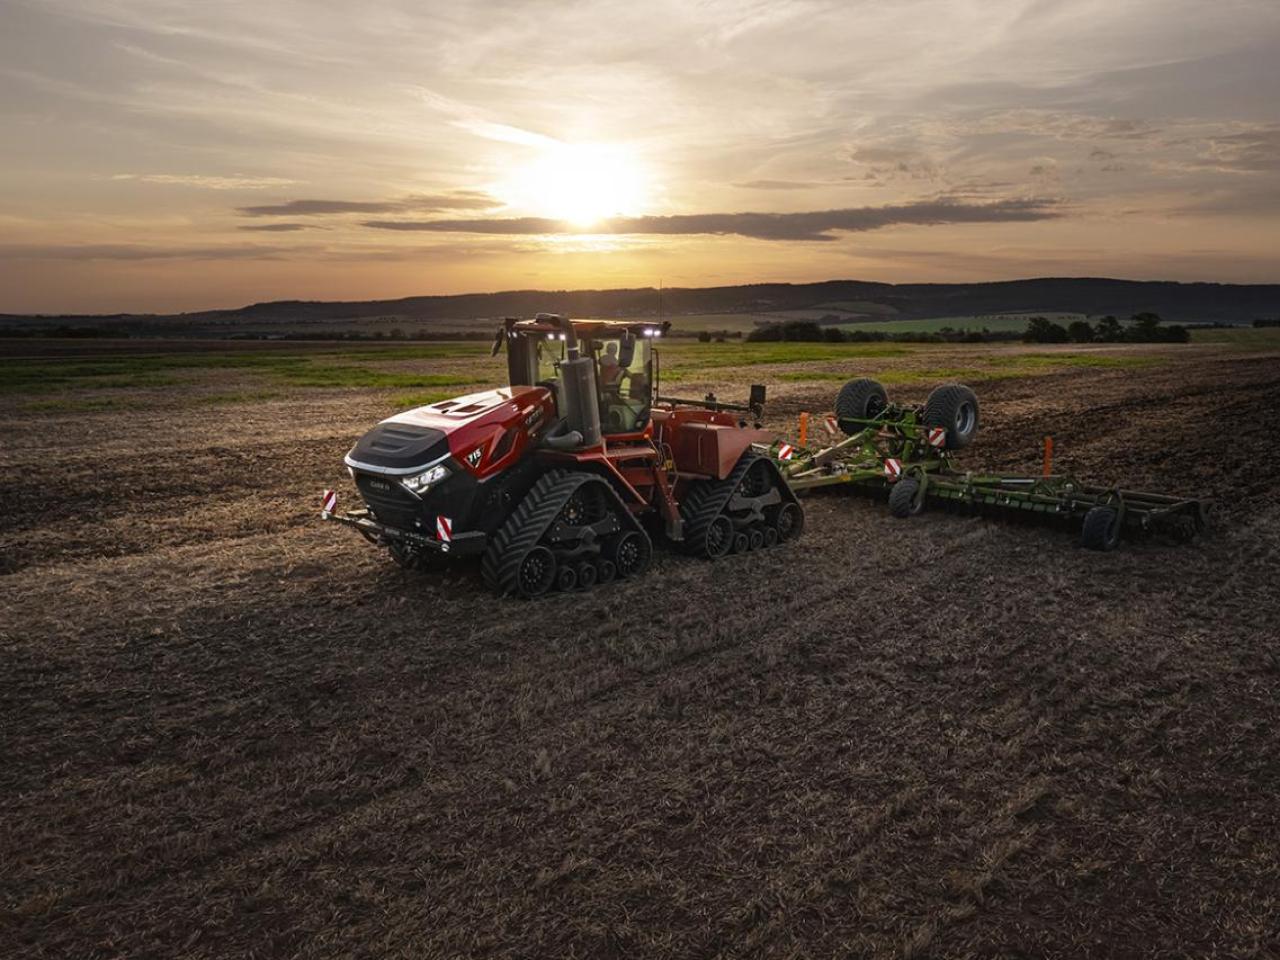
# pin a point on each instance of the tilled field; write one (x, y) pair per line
(229, 730)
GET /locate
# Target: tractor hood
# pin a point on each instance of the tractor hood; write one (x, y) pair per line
(468, 428)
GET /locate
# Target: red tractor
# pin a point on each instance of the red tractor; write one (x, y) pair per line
(557, 479)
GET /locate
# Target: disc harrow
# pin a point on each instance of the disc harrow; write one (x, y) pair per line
(909, 454)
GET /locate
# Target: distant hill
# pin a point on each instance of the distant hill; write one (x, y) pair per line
(1180, 302)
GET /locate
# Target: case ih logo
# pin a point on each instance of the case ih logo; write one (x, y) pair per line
(533, 419)
(379, 484)
(474, 456)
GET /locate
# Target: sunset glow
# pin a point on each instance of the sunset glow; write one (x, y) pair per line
(580, 184)
(164, 155)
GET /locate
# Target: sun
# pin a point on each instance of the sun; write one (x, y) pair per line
(579, 183)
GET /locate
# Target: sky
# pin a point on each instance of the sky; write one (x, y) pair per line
(171, 155)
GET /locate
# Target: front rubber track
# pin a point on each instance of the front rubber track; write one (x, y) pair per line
(531, 519)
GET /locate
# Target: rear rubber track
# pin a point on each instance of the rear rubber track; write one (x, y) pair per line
(708, 499)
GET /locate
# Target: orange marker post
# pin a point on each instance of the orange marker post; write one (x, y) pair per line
(804, 428)
(1048, 455)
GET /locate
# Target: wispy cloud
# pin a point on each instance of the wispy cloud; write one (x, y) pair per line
(206, 182)
(503, 133)
(459, 200)
(131, 251)
(277, 227)
(778, 185)
(821, 225)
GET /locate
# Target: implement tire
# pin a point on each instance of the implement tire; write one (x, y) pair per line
(860, 399)
(954, 407)
(1101, 530)
(905, 499)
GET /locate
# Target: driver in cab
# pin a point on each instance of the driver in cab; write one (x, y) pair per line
(610, 369)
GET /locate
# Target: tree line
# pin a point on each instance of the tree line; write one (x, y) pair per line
(1141, 328)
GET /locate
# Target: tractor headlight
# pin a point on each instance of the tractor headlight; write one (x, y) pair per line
(421, 483)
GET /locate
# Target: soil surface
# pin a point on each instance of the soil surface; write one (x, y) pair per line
(231, 730)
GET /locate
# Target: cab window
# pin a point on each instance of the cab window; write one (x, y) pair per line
(550, 353)
(624, 366)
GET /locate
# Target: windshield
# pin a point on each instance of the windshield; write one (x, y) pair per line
(625, 367)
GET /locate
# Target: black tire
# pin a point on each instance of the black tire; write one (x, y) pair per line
(606, 572)
(905, 499)
(588, 574)
(1101, 530)
(631, 554)
(537, 572)
(860, 399)
(755, 538)
(954, 407)
(566, 578)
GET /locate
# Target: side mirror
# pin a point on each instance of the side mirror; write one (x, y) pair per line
(498, 338)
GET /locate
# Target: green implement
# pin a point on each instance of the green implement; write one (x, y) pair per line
(909, 453)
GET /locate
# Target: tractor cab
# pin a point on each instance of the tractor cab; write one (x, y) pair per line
(599, 371)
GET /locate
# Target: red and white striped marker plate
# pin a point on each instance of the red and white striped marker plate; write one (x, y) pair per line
(328, 501)
(833, 428)
(892, 469)
(444, 529)
(937, 437)
(786, 451)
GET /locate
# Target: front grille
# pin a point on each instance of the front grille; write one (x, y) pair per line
(391, 503)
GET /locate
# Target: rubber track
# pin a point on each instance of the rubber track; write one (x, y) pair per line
(708, 498)
(530, 520)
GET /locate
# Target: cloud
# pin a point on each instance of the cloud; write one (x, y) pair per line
(814, 225)
(129, 251)
(889, 162)
(458, 200)
(206, 182)
(277, 227)
(503, 133)
(1253, 151)
(778, 185)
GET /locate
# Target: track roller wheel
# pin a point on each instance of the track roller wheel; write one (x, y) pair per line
(1101, 530)
(741, 542)
(537, 572)
(587, 575)
(632, 553)
(771, 536)
(954, 407)
(906, 499)
(719, 537)
(755, 538)
(790, 522)
(606, 572)
(566, 578)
